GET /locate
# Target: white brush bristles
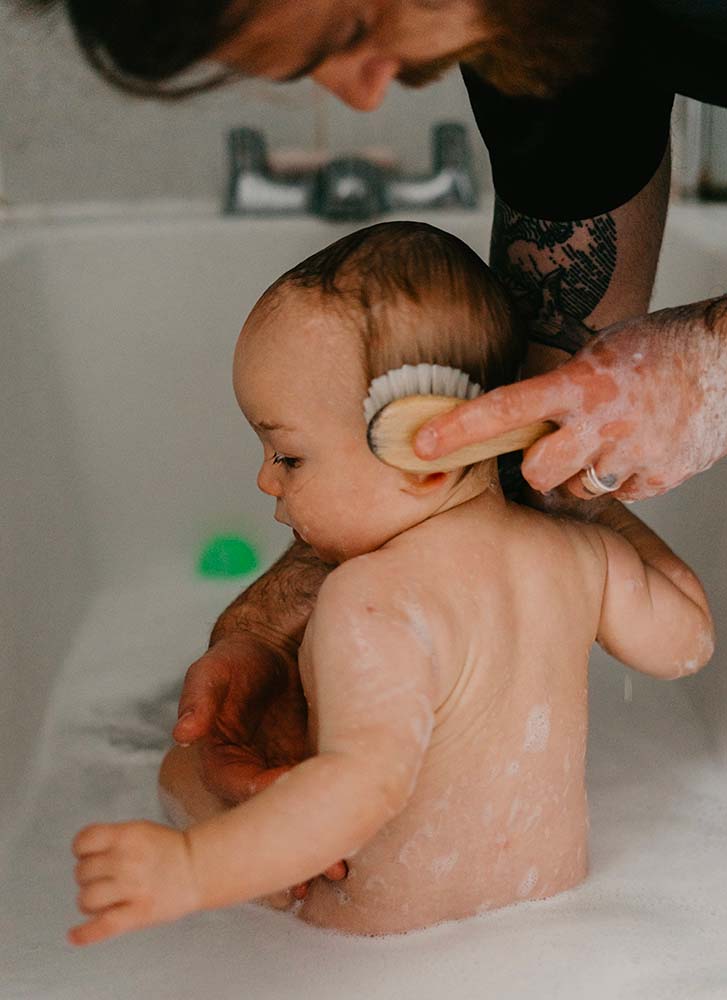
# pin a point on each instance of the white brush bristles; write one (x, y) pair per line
(418, 380)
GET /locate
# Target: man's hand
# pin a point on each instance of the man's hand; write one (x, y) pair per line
(244, 703)
(643, 403)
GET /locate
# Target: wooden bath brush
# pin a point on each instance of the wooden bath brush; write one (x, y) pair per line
(402, 400)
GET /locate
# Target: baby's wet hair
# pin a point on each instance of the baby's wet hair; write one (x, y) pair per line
(462, 316)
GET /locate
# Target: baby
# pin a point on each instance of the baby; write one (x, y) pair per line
(445, 662)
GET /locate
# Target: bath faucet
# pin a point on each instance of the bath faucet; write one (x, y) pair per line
(253, 188)
(349, 187)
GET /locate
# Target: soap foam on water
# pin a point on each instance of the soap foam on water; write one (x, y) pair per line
(683, 920)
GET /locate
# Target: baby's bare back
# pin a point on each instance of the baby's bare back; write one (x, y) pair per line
(510, 607)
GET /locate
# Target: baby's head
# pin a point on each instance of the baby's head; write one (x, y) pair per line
(391, 294)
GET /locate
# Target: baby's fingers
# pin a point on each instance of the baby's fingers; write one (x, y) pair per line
(94, 839)
(100, 895)
(111, 922)
(92, 867)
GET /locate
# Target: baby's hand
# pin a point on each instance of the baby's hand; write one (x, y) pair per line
(131, 875)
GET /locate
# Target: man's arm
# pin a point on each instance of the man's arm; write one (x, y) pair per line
(243, 699)
(278, 604)
(643, 400)
(572, 279)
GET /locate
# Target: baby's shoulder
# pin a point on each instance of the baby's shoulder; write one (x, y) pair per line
(367, 614)
(379, 591)
(561, 527)
(357, 579)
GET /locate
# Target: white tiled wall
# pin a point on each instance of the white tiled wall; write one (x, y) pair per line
(67, 136)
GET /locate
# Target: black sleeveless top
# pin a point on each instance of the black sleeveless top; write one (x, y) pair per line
(599, 142)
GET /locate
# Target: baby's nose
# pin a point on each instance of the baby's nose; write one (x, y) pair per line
(359, 79)
(268, 482)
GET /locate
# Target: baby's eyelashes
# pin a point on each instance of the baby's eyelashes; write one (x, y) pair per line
(286, 460)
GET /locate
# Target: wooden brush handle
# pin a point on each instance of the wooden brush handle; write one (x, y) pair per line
(391, 434)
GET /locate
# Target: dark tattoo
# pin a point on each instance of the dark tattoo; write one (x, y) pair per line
(557, 272)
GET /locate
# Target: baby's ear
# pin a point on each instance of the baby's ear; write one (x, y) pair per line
(422, 483)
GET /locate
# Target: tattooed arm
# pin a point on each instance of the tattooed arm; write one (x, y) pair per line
(570, 279)
(643, 400)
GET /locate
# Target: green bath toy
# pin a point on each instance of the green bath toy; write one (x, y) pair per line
(226, 556)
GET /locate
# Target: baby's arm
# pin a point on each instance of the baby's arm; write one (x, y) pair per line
(655, 616)
(374, 703)
(374, 696)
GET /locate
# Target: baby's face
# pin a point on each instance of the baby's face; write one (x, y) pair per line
(298, 380)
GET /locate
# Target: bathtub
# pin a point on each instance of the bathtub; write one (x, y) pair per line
(122, 451)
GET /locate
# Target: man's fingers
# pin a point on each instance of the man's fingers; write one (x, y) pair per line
(204, 691)
(231, 772)
(506, 408)
(337, 872)
(239, 772)
(634, 488)
(606, 470)
(555, 459)
(264, 778)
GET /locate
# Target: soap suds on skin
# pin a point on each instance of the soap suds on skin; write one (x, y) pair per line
(445, 864)
(419, 625)
(530, 880)
(537, 729)
(375, 882)
(533, 819)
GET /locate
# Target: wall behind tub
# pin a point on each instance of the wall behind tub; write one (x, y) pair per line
(67, 136)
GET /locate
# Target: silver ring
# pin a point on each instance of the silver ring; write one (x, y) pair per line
(595, 484)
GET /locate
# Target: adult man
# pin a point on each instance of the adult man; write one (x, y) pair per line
(574, 103)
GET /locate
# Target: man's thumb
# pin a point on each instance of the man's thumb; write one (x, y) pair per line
(198, 705)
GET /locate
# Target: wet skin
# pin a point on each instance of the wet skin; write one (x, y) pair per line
(642, 403)
(447, 696)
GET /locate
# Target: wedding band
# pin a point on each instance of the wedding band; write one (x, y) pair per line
(596, 485)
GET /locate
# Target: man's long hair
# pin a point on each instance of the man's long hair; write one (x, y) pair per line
(142, 46)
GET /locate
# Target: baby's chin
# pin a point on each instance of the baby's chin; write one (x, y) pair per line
(333, 554)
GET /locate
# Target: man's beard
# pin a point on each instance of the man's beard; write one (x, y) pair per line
(535, 48)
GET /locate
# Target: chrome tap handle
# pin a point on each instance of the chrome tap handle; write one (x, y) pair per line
(348, 188)
(253, 187)
(452, 183)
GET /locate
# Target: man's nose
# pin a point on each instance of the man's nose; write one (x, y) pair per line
(268, 482)
(360, 80)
